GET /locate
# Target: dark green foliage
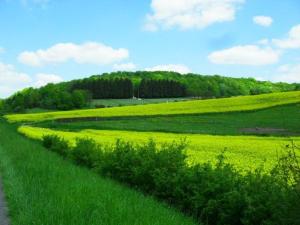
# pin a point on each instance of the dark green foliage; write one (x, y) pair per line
(87, 153)
(143, 166)
(205, 86)
(80, 98)
(56, 144)
(289, 165)
(105, 88)
(48, 140)
(124, 85)
(213, 194)
(162, 88)
(48, 97)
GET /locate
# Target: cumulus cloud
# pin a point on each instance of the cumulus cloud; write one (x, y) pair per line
(264, 41)
(170, 67)
(12, 80)
(188, 14)
(264, 21)
(245, 55)
(43, 78)
(292, 41)
(288, 73)
(124, 67)
(87, 53)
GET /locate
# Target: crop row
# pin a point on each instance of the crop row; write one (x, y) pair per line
(246, 152)
(242, 103)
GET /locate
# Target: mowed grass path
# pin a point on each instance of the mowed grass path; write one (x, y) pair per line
(243, 103)
(246, 152)
(43, 189)
(279, 120)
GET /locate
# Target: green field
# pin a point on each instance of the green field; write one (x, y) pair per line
(246, 152)
(252, 130)
(208, 134)
(43, 189)
(275, 121)
(125, 102)
(244, 103)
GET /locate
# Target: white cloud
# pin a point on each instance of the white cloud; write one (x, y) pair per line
(2, 50)
(170, 67)
(124, 67)
(264, 41)
(288, 73)
(188, 14)
(87, 53)
(245, 55)
(264, 21)
(292, 41)
(12, 80)
(43, 78)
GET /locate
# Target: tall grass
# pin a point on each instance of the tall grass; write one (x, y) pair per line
(214, 195)
(43, 189)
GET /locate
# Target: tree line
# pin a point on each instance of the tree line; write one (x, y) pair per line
(51, 96)
(206, 86)
(141, 84)
(123, 88)
(105, 88)
(150, 88)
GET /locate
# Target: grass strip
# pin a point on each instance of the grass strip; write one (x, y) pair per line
(42, 188)
(241, 103)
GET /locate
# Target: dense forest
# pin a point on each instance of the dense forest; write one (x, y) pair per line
(123, 88)
(140, 84)
(206, 86)
(105, 88)
(150, 88)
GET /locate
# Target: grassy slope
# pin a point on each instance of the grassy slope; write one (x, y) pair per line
(42, 188)
(281, 117)
(243, 151)
(189, 107)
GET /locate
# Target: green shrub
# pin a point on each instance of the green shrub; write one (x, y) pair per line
(56, 144)
(143, 166)
(214, 194)
(87, 153)
(48, 140)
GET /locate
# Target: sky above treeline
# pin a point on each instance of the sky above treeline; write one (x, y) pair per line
(44, 41)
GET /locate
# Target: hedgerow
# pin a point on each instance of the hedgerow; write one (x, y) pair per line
(213, 194)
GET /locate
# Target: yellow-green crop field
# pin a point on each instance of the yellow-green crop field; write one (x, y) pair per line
(246, 152)
(243, 103)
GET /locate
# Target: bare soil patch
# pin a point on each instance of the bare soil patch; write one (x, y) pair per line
(264, 130)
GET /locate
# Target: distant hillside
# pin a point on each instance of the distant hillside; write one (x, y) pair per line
(234, 104)
(207, 85)
(141, 84)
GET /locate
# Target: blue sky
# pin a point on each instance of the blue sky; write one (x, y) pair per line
(45, 41)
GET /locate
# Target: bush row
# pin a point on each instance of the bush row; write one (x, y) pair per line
(213, 194)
